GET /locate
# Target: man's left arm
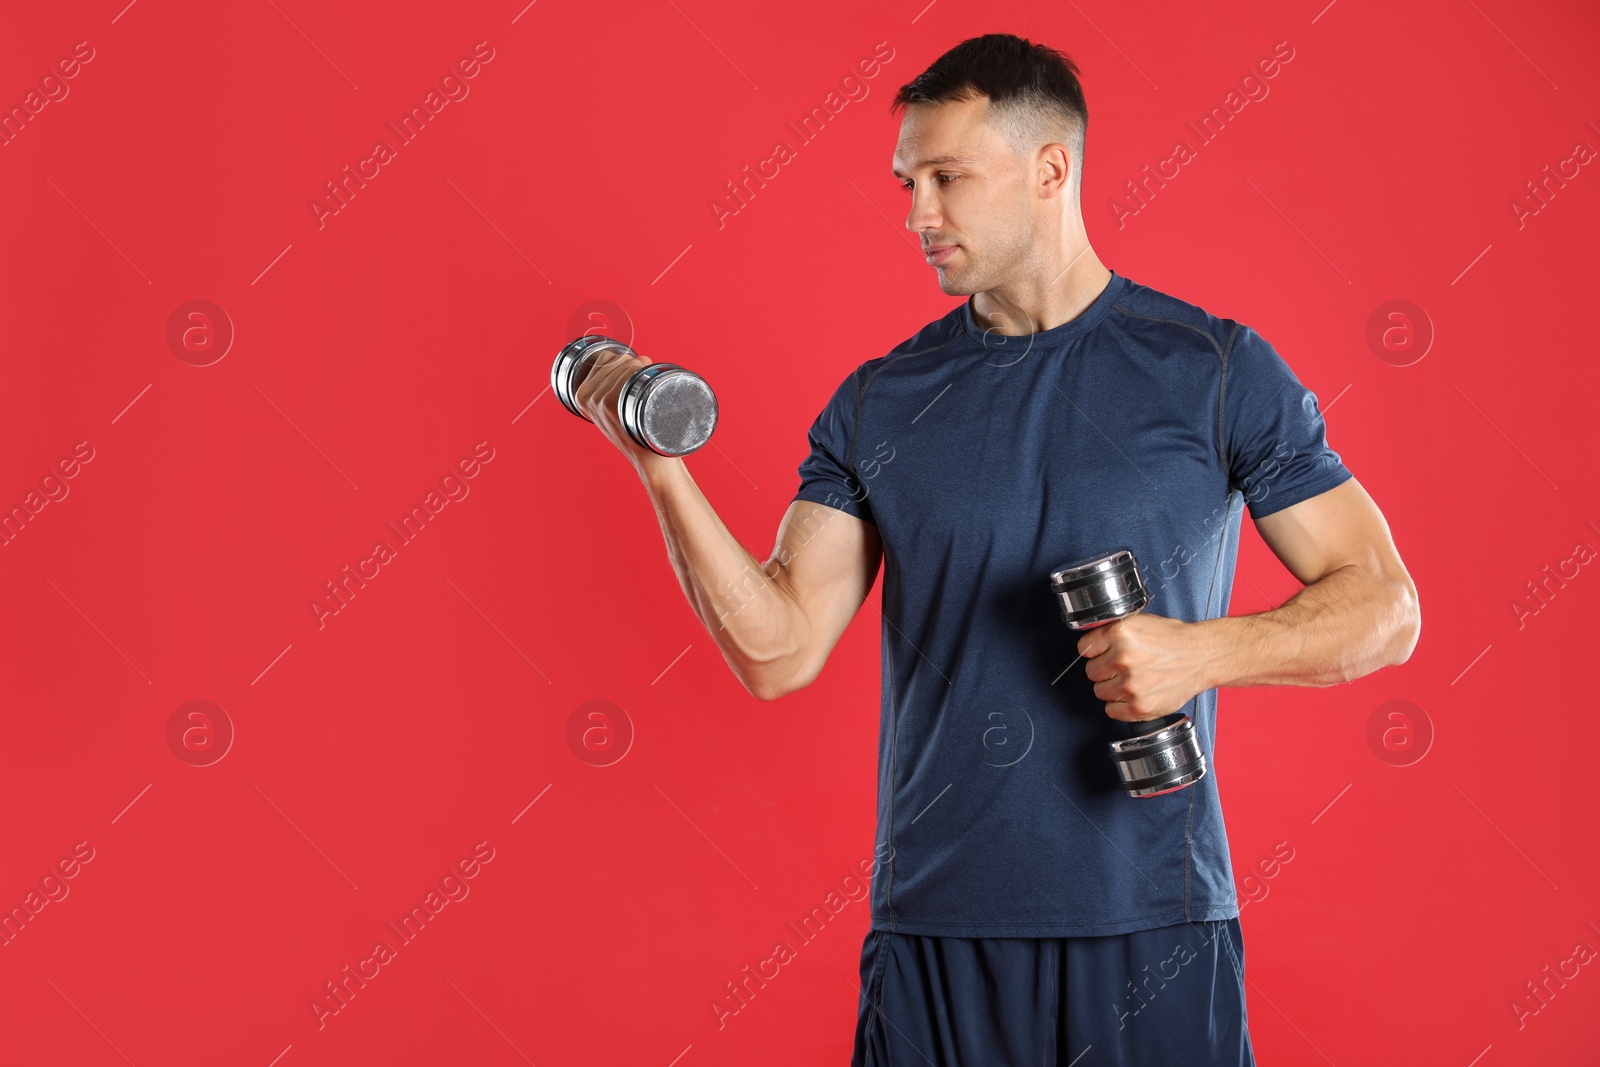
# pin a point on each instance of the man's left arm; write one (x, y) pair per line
(1358, 612)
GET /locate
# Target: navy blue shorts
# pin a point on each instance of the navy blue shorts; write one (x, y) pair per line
(1172, 995)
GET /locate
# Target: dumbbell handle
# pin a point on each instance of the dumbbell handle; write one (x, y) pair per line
(1147, 726)
(1150, 726)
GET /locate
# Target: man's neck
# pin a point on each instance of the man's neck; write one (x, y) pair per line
(1011, 312)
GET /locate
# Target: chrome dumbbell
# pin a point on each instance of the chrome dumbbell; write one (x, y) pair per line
(1159, 755)
(663, 407)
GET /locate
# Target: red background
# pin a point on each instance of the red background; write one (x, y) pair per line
(374, 352)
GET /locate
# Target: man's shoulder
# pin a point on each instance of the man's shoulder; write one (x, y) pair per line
(933, 336)
(1146, 308)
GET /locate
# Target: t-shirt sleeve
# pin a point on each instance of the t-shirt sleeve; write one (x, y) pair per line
(825, 474)
(1273, 435)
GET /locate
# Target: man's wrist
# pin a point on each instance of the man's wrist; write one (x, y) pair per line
(1223, 638)
(659, 472)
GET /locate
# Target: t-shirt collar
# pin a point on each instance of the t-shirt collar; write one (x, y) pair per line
(1065, 332)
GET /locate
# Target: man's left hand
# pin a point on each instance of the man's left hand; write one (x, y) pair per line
(1144, 666)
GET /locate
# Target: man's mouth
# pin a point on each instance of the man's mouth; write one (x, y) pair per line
(937, 254)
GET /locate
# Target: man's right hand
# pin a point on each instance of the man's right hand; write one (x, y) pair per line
(597, 397)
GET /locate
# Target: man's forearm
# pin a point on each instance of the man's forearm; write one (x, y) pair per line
(744, 609)
(1347, 624)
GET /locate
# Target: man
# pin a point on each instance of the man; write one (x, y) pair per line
(1028, 910)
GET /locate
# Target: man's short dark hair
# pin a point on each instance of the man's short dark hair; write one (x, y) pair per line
(1032, 88)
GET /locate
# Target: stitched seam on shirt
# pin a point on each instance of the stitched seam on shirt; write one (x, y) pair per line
(1222, 357)
(1175, 322)
(855, 432)
(894, 738)
(861, 399)
(1222, 540)
(1188, 856)
(1222, 386)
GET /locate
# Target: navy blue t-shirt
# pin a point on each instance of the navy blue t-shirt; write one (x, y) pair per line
(986, 461)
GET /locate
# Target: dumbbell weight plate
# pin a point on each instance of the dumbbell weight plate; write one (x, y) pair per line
(1160, 762)
(668, 409)
(1099, 590)
(573, 363)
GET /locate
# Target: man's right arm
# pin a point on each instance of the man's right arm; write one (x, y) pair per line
(775, 622)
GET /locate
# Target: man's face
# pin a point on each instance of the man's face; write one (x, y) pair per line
(968, 195)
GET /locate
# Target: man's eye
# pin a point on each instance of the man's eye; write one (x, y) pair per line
(906, 185)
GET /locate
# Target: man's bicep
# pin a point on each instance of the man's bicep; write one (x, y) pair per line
(826, 560)
(1337, 528)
